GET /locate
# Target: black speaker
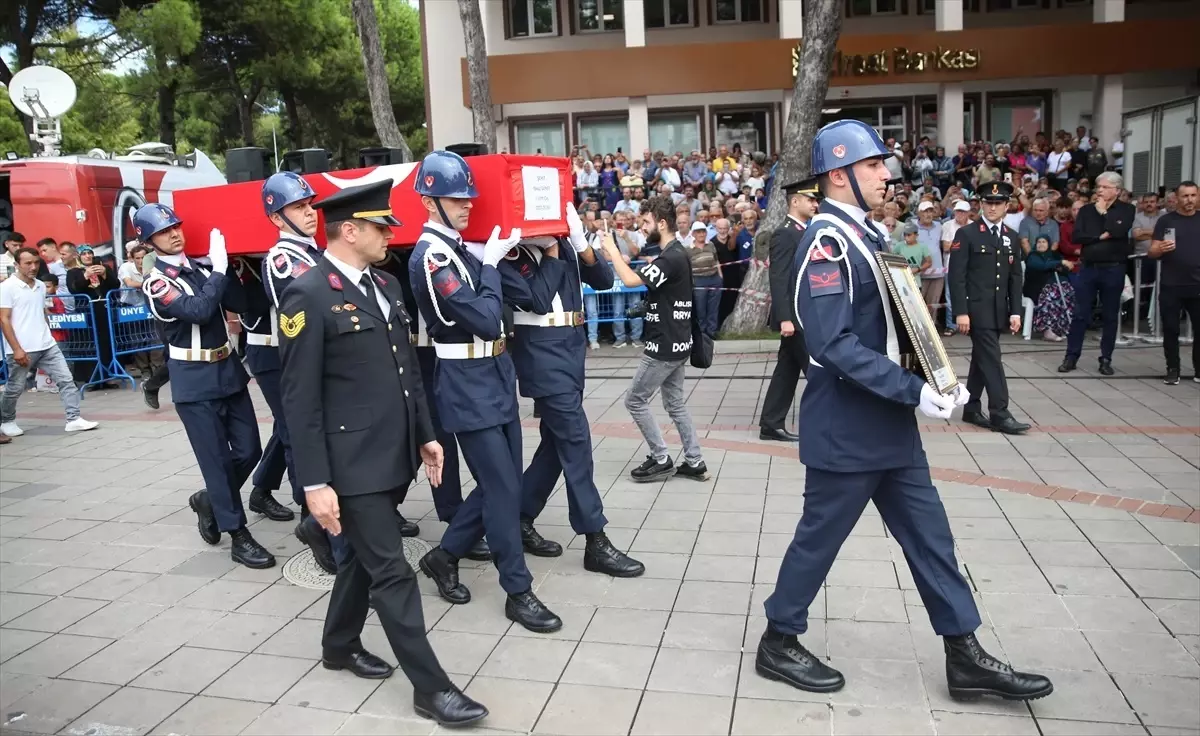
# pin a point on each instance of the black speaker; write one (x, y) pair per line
(246, 164)
(306, 161)
(468, 149)
(379, 156)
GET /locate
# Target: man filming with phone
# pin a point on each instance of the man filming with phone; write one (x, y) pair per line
(1176, 244)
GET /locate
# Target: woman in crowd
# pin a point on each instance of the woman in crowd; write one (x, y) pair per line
(93, 280)
(610, 180)
(1052, 296)
(706, 279)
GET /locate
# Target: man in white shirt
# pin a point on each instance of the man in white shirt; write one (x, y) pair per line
(962, 215)
(1058, 167)
(29, 346)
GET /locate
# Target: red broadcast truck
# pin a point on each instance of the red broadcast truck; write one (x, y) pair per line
(527, 192)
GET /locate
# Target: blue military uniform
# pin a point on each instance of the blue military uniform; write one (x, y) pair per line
(209, 384)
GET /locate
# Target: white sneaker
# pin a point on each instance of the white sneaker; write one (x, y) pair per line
(619, 344)
(79, 424)
(11, 429)
(594, 345)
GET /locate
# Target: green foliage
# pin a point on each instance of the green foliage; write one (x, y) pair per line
(294, 66)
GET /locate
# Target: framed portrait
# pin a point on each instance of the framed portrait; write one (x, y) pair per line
(924, 353)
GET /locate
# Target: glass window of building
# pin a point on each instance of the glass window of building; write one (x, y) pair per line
(600, 15)
(1007, 115)
(549, 138)
(888, 120)
(671, 132)
(747, 127)
(604, 135)
(668, 13)
(737, 11)
(528, 18)
(874, 7)
(929, 121)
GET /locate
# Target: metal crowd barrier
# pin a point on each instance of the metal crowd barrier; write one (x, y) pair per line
(610, 305)
(130, 330)
(75, 330)
(1186, 335)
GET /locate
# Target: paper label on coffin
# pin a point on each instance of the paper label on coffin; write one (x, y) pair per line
(527, 192)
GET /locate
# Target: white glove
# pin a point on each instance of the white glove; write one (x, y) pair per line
(934, 404)
(498, 247)
(575, 228)
(961, 395)
(216, 252)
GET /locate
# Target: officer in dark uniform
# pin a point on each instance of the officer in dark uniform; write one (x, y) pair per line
(190, 297)
(859, 439)
(447, 497)
(549, 351)
(359, 426)
(460, 297)
(985, 275)
(802, 198)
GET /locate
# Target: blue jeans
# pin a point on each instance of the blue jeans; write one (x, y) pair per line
(949, 308)
(1107, 280)
(620, 302)
(706, 300)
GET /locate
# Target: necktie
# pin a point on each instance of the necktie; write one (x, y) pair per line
(369, 289)
(996, 233)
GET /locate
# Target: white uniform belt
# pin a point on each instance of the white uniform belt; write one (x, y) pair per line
(203, 355)
(420, 340)
(553, 319)
(255, 338)
(468, 350)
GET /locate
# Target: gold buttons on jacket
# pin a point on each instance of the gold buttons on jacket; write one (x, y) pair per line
(357, 327)
(393, 348)
(343, 428)
(406, 394)
(389, 328)
(402, 370)
(354, 320)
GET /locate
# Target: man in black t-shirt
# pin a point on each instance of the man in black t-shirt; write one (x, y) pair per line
(668, 336)
(1176, 242)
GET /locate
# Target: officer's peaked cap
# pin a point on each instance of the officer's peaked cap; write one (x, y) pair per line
(843, 143)
(996, 191)
(151, 219)
(282, 189)
(445, 174)
(370, 202)
(807, 187)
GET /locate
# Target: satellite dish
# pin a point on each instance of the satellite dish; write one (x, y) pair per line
(42, 92)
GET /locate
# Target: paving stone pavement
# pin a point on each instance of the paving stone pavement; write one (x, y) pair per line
(115, 618)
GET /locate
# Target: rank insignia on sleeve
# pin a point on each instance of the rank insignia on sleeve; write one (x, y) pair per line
(825, 279)
(162, 291)
(300, 268)
(291, 326)
(955, 245)
(281, 262)
(335, 282)
(446, 282)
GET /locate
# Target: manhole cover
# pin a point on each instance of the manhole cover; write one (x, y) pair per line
(301, 569)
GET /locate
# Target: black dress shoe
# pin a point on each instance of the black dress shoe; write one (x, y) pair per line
(976, 417)
(537, 545)
(1106, 368)
(310, 534)
(601, 556)
(442, 568)
(1008, 425)
(777, 435)
(450, 708)
(245, 550)
(361, 664)
(262, 502)
(527, 610)
(1067, 366)
(481, 552)
(150, 397)
(206, 521)
(972, 673)
(781, 657)
(408, 528)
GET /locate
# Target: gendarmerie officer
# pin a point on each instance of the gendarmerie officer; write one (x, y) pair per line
(859, 439)
(802, 199)
(190, 297)
(549, 351)
(360, 428)
(985, 275)
(460, 297)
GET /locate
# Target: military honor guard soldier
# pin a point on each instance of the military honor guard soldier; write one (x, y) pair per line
(190, 298)
(859, 438)
(549, 351)
(985, 275)
(802, 200)
(359, 426)
(460, 297)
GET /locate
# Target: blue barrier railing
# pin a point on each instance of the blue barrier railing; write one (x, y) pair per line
(75, 329)
(131, 330)
(610, 305)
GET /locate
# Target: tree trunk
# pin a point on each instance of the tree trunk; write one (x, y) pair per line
(822, 26)
(484, 125)
(295, 128)
(367, 23)
(168, 86)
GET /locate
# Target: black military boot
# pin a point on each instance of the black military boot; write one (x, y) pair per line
(150, 397)
(262, 502)
(408, 528)
(206, 522)
(481, 552)
(442, 567)
(246, 551)
(310, 534)
(1068, 365)
(535, 544)
(781, 657)
(1106, 368)
(972, 673)
(601, 556)
(652, 470)
(527, 610)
